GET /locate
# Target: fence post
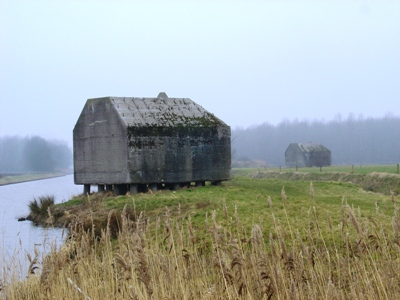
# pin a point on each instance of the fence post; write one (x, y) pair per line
(352, 169)
(296, 168)
(397, 168)
(320, 169)
(279, 168)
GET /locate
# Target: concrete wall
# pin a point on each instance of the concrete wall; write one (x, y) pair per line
(100, 148)
(319, 159)
(181, 154)
(294, 157)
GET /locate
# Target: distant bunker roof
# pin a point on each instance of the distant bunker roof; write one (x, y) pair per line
(313, 147)
(149, 140)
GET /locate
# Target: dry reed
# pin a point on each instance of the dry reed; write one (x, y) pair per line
(349, 257)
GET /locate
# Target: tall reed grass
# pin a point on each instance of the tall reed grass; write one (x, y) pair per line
(346, 257)
(39, 207)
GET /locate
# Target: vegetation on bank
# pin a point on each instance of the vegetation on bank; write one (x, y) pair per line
(251, 238)
(40, 207)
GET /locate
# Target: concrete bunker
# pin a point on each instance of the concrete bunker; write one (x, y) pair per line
(307, 155)
(134, 144)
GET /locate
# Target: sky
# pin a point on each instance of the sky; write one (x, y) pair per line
(248, 62)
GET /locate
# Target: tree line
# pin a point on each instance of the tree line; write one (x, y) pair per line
(351, 141)
(33, 154)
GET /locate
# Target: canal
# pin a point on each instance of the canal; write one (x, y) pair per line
(17, 239)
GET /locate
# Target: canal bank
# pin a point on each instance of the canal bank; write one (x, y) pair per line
(6, 179)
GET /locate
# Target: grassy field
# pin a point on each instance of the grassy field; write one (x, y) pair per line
(251, 238)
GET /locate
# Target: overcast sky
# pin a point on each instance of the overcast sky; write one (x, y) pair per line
(248, 62)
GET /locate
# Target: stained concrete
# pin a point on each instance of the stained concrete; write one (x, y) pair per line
(149, 141)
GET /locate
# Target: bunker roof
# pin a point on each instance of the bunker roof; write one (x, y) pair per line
(312, 147)
(161, 112)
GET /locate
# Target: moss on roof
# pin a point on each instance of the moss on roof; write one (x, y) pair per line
(163, 112)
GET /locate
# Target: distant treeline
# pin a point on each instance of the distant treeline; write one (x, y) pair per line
(351, 141)
(33, 154)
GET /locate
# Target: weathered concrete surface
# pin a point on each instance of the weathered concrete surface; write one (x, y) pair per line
(149, 141)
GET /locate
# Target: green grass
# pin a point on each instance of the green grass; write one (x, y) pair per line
(251, 238)
(247, 197)
(374, 181)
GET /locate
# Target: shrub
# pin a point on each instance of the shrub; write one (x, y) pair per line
(38, 206)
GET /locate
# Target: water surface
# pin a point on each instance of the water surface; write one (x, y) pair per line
(19, 238)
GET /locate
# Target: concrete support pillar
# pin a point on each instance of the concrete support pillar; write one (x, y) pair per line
(142, 188)
(200, 183)
(175, 186)
(100, 188)
(153, 187)
(117, 190)
(86, 189)
(120, 189)
(216, 182)
(133, 189)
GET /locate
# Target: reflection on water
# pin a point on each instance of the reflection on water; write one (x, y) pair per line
(19, 238)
